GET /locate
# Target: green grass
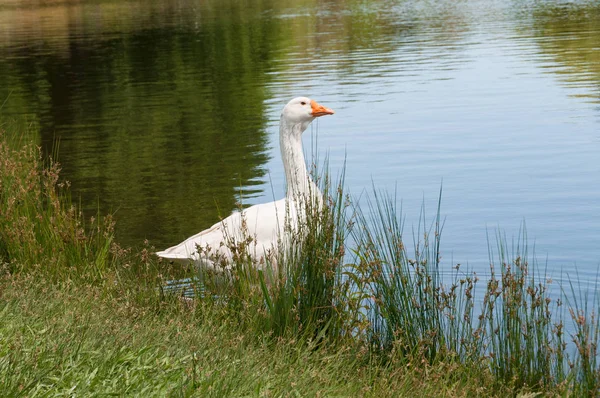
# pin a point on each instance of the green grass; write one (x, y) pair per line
(39, 226)
(72, 339)
(81, 315)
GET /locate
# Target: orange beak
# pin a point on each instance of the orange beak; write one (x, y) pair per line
(319, 110)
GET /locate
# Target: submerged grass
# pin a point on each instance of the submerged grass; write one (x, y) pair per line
(81, 315)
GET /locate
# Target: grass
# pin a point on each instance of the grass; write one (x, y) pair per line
(39, 226)
(77, 340)
(82, 315)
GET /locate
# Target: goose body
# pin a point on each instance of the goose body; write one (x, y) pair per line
(266, 223)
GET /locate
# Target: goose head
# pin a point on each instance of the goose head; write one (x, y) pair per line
(303, 111)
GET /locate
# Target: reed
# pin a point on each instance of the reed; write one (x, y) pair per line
(414, 312)
(583, 311)
(525, 342)
(516, 330)
(39, 225)
(309, 294)
(300, 291)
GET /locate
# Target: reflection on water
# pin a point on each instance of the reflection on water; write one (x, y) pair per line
(569, 38)
(187, 288)
(160, 123)
(166, 111)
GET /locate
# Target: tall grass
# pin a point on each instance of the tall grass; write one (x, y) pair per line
(300, 291)
(308, 286)
(525, 342)
(414, 312)
(39, 226)
(516, 330)
(341, 278)
(585, 369)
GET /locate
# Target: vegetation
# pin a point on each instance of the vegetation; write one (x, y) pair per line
(82, 315)
(67, 339)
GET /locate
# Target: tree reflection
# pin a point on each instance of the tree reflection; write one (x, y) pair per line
(160, 106)
(570, 34)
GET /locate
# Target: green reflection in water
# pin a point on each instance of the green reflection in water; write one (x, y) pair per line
(570, 34)
(160, 123)
(159, 107)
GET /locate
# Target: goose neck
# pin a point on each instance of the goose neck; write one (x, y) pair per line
(296, 174)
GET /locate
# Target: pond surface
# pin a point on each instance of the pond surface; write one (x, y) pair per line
(167, 111)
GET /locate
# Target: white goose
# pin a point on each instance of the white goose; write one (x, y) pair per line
(265, 222)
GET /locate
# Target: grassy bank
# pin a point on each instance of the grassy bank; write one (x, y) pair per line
(63, 339)
(82, 315)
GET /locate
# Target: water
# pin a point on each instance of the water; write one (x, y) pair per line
(167, 111)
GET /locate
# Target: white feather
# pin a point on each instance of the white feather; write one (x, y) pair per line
(264, 224)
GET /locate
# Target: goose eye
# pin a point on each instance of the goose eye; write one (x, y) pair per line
(302, 103)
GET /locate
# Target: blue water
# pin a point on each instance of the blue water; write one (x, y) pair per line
(510, 134)
(167, 111)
